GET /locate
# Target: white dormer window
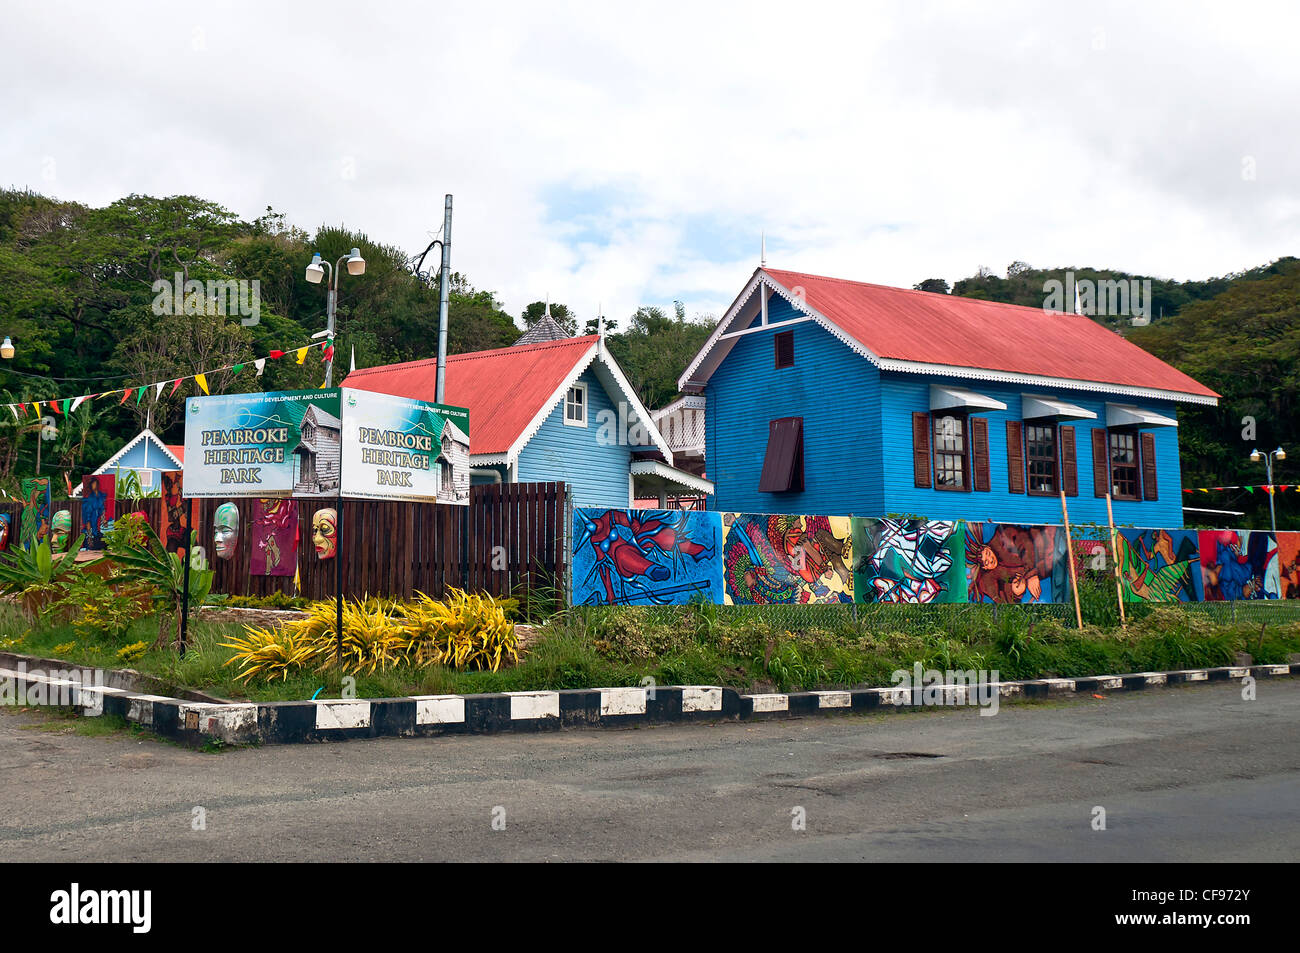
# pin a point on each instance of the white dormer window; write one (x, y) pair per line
(575, 406)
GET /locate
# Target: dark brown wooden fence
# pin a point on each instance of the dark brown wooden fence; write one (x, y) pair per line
(510, 540)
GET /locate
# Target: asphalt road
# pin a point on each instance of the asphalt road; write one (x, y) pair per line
(1191, 773)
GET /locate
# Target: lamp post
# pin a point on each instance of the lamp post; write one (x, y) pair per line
(1279, 454)
(7, 349)
(317, 270)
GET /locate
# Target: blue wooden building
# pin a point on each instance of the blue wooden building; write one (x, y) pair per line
(148, 456)
(827, 396)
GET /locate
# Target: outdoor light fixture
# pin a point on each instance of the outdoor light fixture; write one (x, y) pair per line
(7, 349)
(1279, 453)
(314, 271)
(356, 264)
(1268, 458)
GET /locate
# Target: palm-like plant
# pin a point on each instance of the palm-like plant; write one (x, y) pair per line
(141, 557)
(37, 576)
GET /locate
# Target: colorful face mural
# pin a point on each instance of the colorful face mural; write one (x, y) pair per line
(173, 510)
(35, 526)
(274, 543)
(911, 560)
(4, 531)
(1159, 565)
(1238, 564)
(1288, 565)
(325, 533)
(786, 559)
(1008, 563)
(60, 530)
(646, 557)
(96, 508)
(225, 532)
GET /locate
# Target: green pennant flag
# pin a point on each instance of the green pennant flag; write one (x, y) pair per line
(1250, 489)
(66, 402)
(138, 394)
(237, 368)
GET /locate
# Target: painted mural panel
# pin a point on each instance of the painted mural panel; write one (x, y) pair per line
(275, 538)
(1288, 565)
(35, 526)
(910, 560)
(646, 557)
(1160, 565)
(786, 560)
(1238, 564)
(173, 511)
(1011, 563)
(97, 502)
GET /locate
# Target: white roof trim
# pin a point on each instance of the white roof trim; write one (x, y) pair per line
(917, 367)
(1032, 406)
(609, 373)
(111, 464)
(1122, 415)
(672, 474)
(945, 396)
(687, 401)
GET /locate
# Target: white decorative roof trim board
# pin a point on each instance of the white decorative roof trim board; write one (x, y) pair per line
(687, 401)
(489, 459)
(629, 392)
(664, 471)
(916, 367)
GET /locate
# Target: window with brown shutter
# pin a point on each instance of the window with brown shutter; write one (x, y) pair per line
(1069, 463)
(921, 449)
(979, 445)
(1040, 457)
(1100, 471)
(1149, 466)
(1124, 469)
(783, 345)
(783, 462)
(1015, 458)
(950, 452)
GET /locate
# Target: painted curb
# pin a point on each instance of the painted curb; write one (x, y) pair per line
(332, 719)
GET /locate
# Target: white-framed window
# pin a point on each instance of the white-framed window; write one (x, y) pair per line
(575, 406)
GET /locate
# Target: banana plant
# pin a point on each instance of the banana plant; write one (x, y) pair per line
(144, 559)
(36, 576)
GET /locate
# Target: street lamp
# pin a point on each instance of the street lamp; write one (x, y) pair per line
(7, 349)
(1279, 454)
(318, 270)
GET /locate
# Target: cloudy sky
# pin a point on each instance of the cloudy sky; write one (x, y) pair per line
(626, 154)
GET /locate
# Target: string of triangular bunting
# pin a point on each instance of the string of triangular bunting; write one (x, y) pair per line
(1269, 488)
(66, 405)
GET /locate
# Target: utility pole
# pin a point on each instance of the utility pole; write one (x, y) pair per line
(444, 289)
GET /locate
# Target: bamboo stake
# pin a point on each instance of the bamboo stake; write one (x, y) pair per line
(1114, 556)
(1069, 555)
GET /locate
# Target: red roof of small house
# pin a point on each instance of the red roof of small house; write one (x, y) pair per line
(504, 389)
(177, 450)
(922, 328)
(930, 328)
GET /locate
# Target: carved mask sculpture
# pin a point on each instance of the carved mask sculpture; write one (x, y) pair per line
(325, 533)
(60, 530)
(225, 535)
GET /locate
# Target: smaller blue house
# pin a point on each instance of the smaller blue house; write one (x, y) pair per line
(826, 396)
(148, 456)
(549, 410)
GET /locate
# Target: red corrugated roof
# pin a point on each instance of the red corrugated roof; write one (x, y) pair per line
(177, 450)
(931, 328)
(504, 388)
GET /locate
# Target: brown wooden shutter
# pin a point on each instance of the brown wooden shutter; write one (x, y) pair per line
(784, 349)
(1069, 463)
(921, 449)
(783, 462)
(979, 444)
(1149, 466)
(1015, 457)
(1100, 462)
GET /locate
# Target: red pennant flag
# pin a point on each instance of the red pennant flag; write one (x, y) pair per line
(328, 354)
(125, 394)
(277, 354)
(175, 384)
(55, 405)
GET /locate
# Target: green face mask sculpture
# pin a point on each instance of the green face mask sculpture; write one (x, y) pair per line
(60, 530)
(225, 535)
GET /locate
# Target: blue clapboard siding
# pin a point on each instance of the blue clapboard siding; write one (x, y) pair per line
(836, 393)
(144, 456)
(597, 475)
(902, 394)
(858, 438)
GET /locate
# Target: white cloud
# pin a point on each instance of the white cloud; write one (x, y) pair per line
(888, 142)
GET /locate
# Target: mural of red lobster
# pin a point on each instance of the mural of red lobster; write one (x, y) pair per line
(627, 544)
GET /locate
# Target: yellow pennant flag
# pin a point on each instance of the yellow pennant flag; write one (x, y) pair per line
(302, 354)
(202, 382)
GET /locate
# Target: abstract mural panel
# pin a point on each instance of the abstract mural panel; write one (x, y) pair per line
(97, 501)
(1288, 565)
(1238, 564)
(909, 560)
(1160, 565)
(35, 527)
(172, 532)
(646, 557)
(274, 538)
(786, 560)
(1010, 563)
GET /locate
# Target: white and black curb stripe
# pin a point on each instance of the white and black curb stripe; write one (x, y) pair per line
(335, 718)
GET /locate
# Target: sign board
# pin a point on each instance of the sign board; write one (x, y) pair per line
(399, 448)
(326, 443)
(279, 444)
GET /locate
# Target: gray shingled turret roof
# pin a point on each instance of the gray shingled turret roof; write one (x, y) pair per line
(546, 329)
